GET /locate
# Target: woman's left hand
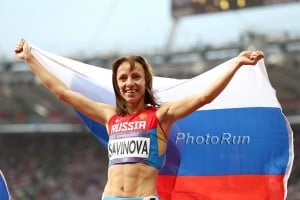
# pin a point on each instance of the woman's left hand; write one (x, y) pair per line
(249, 57)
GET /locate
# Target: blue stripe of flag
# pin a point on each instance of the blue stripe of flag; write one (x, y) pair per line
(229, 141)
(4, 195)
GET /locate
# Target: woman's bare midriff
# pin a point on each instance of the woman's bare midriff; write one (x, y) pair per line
(131, 180)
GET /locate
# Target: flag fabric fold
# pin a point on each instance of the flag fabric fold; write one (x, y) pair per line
(240, 146)
(4, 193)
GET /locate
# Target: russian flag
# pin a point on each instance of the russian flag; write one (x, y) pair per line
(4, 194)
(240, 146)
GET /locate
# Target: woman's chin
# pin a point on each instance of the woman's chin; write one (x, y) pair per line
(132, 100)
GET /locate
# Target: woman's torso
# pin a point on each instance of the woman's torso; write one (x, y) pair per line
(131, 173)
(131, 180)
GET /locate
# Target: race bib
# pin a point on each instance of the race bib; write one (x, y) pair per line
(128, 149)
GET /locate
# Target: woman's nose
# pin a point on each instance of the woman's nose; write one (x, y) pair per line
(129, 81)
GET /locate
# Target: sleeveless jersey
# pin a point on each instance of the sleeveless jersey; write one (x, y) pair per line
(136, 138)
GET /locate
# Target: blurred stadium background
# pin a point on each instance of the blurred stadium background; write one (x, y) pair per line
(46, 152)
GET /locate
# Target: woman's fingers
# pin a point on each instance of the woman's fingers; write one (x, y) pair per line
(23, 49)
(250, 57)
(19, 46)
(257, 55)
(254, 56)
(260, 55)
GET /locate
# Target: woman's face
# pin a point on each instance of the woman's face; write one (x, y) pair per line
(131, 82)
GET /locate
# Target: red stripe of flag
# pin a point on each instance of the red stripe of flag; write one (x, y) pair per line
(230, 187)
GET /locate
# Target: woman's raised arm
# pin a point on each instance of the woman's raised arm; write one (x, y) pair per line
(97, 111)
(172, 111)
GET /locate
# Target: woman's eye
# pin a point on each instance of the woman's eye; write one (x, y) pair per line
(136, 77)
(122, 78)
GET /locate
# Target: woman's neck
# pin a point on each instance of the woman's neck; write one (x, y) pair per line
(134, 108)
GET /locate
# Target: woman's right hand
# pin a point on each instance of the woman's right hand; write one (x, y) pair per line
(23, 50)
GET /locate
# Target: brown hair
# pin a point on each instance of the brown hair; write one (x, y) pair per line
(149, 95)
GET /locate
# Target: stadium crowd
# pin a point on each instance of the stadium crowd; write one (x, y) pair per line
(54, 167)
(294, 181)
(70, 166)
